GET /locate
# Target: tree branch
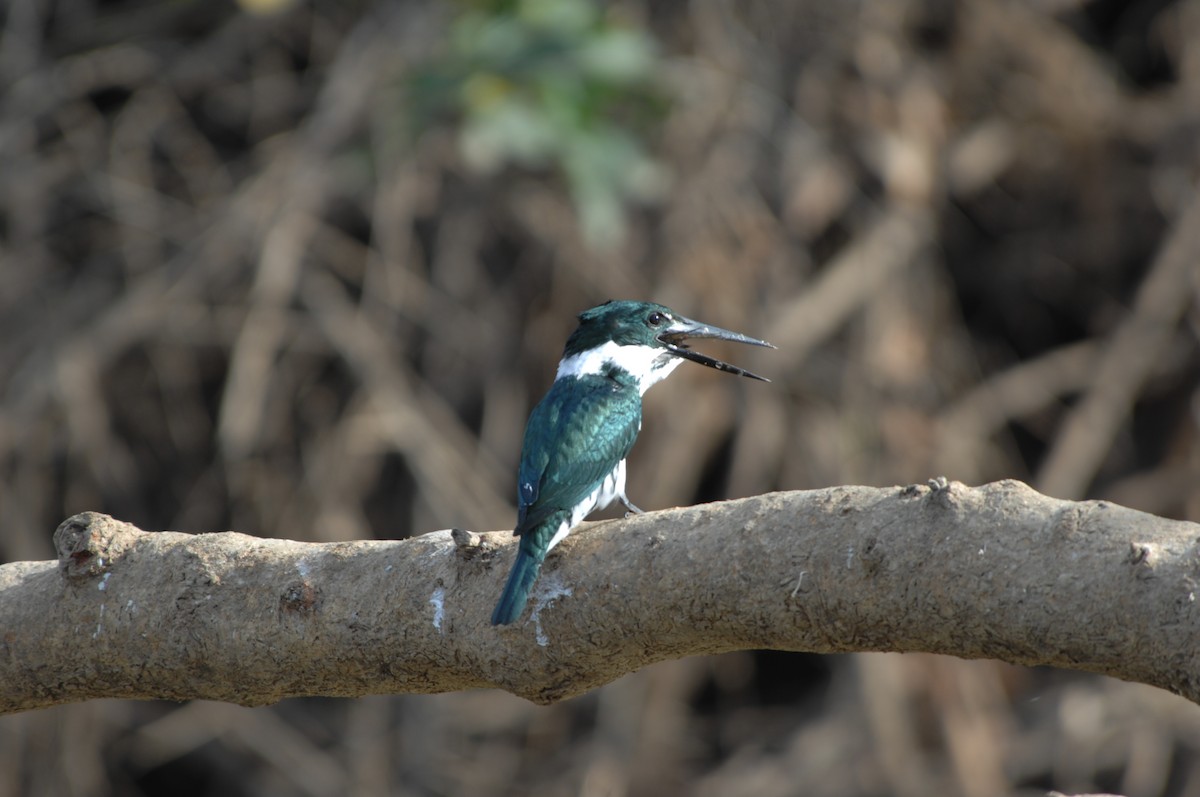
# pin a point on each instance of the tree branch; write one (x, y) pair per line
(998, 571)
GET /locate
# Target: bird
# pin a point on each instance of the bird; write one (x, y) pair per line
(579, 434)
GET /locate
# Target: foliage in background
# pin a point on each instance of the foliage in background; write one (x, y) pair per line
(554, 84)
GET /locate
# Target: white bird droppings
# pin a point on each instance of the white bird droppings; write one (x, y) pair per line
(99, 622)
(550, 589)
(438, 599)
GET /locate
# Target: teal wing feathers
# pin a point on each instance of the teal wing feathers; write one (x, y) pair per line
(575, 437)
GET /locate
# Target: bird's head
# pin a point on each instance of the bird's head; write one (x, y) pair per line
(644, 339)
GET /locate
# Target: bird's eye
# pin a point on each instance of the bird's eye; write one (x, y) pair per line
(655, 319)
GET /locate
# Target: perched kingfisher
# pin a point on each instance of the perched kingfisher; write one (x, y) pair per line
(577, 438)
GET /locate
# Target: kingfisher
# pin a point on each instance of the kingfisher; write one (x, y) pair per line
(578, 436)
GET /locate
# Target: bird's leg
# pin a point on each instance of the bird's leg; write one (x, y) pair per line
(633, 510)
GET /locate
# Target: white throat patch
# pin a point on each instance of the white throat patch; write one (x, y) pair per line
(647, 364)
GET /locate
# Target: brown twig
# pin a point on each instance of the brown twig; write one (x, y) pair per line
(1130, 357)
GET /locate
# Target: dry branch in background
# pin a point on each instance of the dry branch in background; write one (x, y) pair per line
(1128, 361)
(998, 571)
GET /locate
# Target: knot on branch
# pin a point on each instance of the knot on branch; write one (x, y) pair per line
(89, 543)
(300, 598)
(468, 543)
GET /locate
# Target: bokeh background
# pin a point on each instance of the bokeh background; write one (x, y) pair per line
(301, 269)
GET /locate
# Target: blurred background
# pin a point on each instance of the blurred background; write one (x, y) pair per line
(301, 269)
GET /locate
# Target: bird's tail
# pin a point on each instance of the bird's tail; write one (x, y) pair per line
(516, 592)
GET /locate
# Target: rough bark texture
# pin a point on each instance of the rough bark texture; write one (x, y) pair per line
(998, 571)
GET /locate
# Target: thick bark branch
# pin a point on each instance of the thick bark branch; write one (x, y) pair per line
(998, 571)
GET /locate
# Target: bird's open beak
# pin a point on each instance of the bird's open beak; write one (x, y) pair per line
(681, 329)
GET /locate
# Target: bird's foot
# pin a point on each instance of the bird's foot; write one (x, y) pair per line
(633, 510)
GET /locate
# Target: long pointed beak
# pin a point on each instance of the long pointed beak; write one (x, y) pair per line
(681, 329)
